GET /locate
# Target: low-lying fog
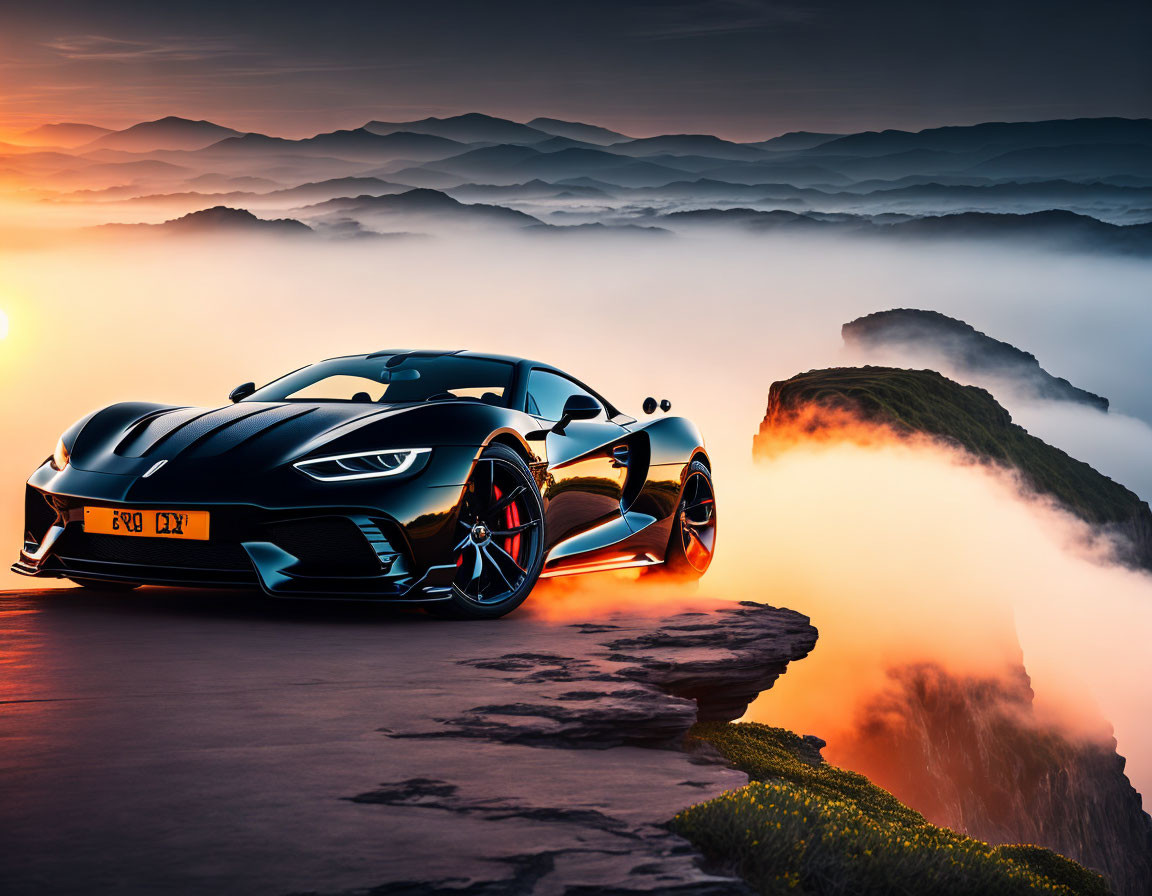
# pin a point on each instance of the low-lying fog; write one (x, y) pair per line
(709, 323)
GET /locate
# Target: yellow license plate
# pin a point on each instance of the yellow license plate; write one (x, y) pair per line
(149, 523)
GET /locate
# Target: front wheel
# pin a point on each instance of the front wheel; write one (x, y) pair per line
(500, 549)
(693, 540)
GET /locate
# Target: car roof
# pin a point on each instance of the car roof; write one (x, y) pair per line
(464, 353)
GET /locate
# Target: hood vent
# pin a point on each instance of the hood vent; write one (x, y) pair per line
(196, 432)
(146, 433)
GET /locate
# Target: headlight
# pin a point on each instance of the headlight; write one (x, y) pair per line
(60, 455)
(364, 464)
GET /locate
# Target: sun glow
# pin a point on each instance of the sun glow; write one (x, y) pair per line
(3, 325)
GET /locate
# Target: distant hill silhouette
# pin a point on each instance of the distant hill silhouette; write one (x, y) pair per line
(1108, 202)
(223, 218)
(746, 218)
(218, 220)
(603, 186)
(486, 160)
(778, 168)
(552, 144)
(1050, 190)
(424, 177)
(422, 207)
(1052, 228)
(470, 128)
(144, 171)
(606, 167)
(707, 188)
(305, 193)
(508, 164)
(65, 133)
(164, 133)
(576, 130)
(689, 144)
(358, 144)
(596, 229)
(212, 181)
(795, 140)
(964, 349)
(336, 187)
(1094, 160)
(533, 189)
(250, 143)
(991, 136)
(897, 164)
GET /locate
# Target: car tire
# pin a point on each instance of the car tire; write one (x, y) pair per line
(97, 585)
(693, 540)
(510, 472)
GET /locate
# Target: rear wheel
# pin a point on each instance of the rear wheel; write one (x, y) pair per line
(500, 549)
(693, 538)
(97, 585)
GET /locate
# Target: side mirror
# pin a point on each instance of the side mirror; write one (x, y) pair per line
(649, 406)
(577, 407)
(241, 391)
(665, 405)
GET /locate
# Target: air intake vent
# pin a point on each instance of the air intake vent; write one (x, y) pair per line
(38, 514)
(327, 546)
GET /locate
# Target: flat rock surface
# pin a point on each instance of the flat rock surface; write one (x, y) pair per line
(178, 742)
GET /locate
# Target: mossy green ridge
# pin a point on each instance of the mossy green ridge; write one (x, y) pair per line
(925, 402)
(804, 826)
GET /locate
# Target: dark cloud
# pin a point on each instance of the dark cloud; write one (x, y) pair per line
(720, 17)
(96, 47)
(741, 68)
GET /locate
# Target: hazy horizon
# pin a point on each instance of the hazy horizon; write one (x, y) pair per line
(293, 130)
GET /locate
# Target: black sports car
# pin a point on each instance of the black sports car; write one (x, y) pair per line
(442, 477)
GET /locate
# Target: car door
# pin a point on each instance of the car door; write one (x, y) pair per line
(585, 481)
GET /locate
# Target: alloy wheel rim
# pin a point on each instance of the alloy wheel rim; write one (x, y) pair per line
(500, 534)
(697, 519)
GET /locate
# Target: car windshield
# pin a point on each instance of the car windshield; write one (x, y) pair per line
(394, 378)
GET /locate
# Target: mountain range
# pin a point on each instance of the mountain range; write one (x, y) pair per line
(164, 133)
(217, 220)
(1077, 183)
(65, 133)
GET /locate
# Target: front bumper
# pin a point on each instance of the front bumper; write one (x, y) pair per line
(341, 552)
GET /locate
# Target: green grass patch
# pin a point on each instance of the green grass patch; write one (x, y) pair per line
(804, 826)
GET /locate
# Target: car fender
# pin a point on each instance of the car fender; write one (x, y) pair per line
(669, 444)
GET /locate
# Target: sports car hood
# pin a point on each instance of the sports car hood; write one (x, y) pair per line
(129, 439)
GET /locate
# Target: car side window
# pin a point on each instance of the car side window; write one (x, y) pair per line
(547, 393)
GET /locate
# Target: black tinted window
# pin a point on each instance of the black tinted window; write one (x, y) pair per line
(547, 393)
(415, 378)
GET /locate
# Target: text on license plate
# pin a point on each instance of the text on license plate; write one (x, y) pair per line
(151, 523)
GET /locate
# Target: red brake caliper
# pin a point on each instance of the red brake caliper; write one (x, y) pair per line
(512, 514)
(511, 520)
